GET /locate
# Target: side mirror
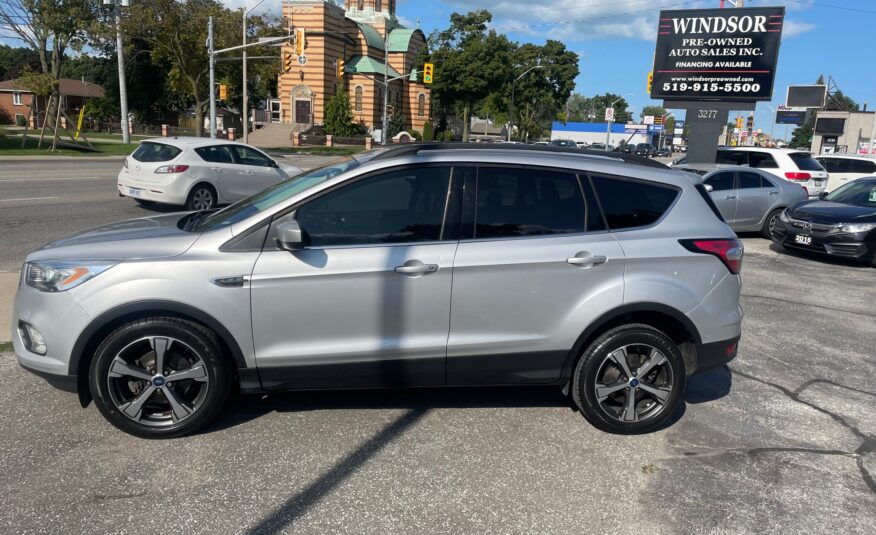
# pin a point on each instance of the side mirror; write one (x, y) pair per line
(709, 188)
(290, 237)
(273, 163)
(822, 195)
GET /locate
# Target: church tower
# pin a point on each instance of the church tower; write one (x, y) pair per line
(375, 6)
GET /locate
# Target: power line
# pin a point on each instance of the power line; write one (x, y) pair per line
(831, 6)
(601, 17)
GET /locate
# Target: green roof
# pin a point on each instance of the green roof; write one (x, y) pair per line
(400, 39)
(372, 37)
(368, 65)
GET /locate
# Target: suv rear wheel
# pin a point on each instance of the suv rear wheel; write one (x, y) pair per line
(159, 377)
(629, 380)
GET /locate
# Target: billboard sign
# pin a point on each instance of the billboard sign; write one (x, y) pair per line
(796, 117)
(635, 128)
(806, 96)
(717, 54)
(830, 125)
(648, 119)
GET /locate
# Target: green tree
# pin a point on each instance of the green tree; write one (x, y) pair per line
(428, 134)
(339, 116)
(396, 124)
(470, 62)
(656, 111)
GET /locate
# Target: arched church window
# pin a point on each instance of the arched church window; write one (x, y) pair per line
(358, 99)
(421, 105)
(377, 5)
(361, 5)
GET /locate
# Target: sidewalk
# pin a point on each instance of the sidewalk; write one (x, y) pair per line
(31, 159)
(8, 285)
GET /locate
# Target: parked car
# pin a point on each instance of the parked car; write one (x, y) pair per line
(628, 148)
(343, 278)
(581, 144)
(751, 200)
(598, 146)
(792, 165)
(198, 173)
(563, 143)
(664, 152)
(646, 149)
(841, 223)
(844, 168)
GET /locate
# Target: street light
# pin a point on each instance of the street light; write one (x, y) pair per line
(245, 110)
(123, 88)
(608, 128)
(513, 84)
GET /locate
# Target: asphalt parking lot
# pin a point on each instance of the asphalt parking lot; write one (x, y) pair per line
(784, 441)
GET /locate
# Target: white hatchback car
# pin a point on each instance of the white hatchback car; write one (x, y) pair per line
(198, 173)
(844, 168)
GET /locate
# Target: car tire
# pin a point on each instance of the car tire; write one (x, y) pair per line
(770, 222)
(617, 398)
(202, 197)
(147, 402)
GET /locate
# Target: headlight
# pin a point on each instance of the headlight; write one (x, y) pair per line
(855, 228)
(784, 217)
(58, 276)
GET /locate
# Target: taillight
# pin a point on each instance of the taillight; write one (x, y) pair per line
(798, 176)
(172, 169)
(728, 251)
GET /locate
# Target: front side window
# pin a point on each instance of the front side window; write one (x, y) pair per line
(155, 152)
(248, 156)
(629, 203)
(215, 154)
(527, 202)
(863, 167)
(834, 165)
(401, 206)
(720, 181)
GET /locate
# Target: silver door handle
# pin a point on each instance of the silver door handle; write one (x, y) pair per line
(586, 259)
(250, 172)
(730, 197)
(774, 192)
(415, 267)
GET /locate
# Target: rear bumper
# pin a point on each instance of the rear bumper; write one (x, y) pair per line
(173, 190)
(715, 354)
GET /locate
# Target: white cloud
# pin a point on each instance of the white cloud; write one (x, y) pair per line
(793, 28)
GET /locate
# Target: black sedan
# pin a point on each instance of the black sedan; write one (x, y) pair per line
(841, 223)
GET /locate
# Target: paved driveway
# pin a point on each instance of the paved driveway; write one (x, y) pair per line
(784, 441)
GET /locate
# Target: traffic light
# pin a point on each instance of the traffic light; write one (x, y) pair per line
(287, 62)
(650, 81)
(749, 124)
(340, 67)
(739, 122)
(428, 69)
(299, 41)
(223, 92)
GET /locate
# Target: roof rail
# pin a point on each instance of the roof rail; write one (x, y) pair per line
(412, 149)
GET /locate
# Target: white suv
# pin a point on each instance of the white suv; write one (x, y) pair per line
(198, 173)
(844, 168)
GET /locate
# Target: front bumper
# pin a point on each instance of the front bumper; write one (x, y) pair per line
(825, 240)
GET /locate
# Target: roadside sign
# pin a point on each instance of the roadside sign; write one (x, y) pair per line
(717, 54)
(302, 60)
(648, 119)
(609, 115)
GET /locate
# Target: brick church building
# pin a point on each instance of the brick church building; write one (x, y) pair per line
(361, 33)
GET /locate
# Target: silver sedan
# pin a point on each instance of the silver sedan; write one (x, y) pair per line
(750, 199)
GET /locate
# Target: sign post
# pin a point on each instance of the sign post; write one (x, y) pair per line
(712, 61)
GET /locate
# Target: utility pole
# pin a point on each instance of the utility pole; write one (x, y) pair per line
(212, 54)
(245, 110)
(385, 87)
(513, 86)
(120, 52)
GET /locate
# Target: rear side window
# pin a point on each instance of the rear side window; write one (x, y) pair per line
(762, 160)
(629, 204)
(215, 154)
(527, 202)
(751, 181)
(155, 152)
(805, 162)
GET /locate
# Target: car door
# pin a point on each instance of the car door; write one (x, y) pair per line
(755, 197)
(723, 194)
(219, 170)
(367, 302)
(535, 266)
(256, 168)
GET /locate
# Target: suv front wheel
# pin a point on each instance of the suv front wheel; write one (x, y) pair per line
(629, 380)
(159, 377)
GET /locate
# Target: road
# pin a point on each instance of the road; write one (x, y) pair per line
(45, 200)
(784, 441)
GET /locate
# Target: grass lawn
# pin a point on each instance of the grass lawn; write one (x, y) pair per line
(11, 146)
(328, 151)
(5, 346)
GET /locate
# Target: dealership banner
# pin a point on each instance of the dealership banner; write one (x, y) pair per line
(717, 54)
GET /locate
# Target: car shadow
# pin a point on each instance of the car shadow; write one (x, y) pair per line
(154, 207)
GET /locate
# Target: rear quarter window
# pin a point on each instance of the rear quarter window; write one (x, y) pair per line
(632, 203)
(155, 152)
(805, 162)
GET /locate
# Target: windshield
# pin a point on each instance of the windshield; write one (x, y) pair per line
(272, 196)
(858, 193)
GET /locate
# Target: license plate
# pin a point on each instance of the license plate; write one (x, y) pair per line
(803, 239)
(817, 183)
(134, 192)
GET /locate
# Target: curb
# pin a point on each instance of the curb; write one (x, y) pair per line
(64, 159)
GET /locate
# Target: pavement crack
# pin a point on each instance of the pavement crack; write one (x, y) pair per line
(791, 302)
(868, 442)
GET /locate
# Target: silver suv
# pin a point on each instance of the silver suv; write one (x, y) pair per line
(610, 276)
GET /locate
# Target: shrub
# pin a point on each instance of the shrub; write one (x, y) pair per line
(428, 134)
(416, 135)
(2, 133)
(448, 135)
(20, 120)
(339, 116)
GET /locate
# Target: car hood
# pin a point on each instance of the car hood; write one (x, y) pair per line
(817, 211)
(290, 170)
(148, 237)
